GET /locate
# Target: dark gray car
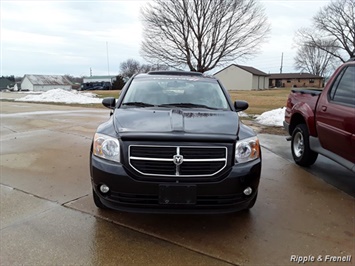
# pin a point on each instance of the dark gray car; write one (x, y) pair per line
(174, 143)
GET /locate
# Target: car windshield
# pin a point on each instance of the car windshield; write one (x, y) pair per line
(175, 91)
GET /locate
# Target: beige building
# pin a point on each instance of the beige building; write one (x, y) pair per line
(293, 80)
(237, 77)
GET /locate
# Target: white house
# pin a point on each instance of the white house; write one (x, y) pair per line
(110, 79)
(237, 77)
(45, 83)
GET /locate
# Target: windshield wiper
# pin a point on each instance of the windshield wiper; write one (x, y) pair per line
(140, 104)
(187, 105)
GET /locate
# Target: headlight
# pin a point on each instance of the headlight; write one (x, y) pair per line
(106, 147)
(247, 150)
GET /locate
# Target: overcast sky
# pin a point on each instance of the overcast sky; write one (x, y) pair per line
(70, 37)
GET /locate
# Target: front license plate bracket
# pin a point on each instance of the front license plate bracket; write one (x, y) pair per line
(177, 194)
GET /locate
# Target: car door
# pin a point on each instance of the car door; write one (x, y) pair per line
(335, 115)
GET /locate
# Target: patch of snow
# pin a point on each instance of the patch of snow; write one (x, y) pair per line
(62, 96)
(272, 118)
(30, 92)
(243, 114)
(89, 94)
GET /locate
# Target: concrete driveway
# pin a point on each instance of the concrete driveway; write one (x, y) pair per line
(48, 216)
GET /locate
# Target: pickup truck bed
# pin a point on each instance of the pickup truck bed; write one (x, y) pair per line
(323, 121)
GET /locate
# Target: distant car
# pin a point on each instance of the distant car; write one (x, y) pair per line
(97, 88)
(174, 143)
(323, 121)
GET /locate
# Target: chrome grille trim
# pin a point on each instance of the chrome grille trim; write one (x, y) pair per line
(177, 167)
(171, 160)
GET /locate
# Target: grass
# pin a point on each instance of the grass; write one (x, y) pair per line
(262, 100)
(109, 93)
(259, 101)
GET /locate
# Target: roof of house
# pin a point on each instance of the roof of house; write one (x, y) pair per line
(4, 82)
(48, 80)
(294, 76)
(249, 69)
(253, 70)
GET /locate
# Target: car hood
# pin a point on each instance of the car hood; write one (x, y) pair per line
(176, 120)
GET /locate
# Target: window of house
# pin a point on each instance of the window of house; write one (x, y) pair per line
(288, 81)
(299, 80)
(311, 80)
(343, 89)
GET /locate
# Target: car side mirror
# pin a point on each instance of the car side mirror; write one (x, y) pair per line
(240, 106)
(109, 102)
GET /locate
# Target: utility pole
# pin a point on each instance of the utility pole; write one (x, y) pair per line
(282, 61)
(108, 63)
(90, 72)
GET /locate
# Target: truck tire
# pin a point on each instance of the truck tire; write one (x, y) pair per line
(97, 201)
(301, 151)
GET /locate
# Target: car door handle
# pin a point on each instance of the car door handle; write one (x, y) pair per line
(324, 108)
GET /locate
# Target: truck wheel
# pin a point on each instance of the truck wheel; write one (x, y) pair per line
(97, 201)
(301, 152)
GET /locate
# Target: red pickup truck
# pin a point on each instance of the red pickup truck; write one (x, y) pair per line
(323, 121)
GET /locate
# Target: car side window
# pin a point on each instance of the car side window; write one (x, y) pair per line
(343, 89)
(335, 84)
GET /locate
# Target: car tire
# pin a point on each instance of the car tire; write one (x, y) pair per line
(301, 151)
(97, 201)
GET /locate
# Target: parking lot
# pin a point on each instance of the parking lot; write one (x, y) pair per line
(48, 216)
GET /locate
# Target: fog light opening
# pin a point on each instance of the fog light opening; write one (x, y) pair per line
(247, 191)
(104, 189)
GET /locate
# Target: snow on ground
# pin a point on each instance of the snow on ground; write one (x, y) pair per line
(242, 114)
(62, 96)
(272, 118)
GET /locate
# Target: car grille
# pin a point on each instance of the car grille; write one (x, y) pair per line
(177, 161)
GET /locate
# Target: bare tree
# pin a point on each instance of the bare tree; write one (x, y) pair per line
(333, 30)
(314, 60)
(202, 34)
(10, 78)
(74, 79)
(148, 67)
(131, 66)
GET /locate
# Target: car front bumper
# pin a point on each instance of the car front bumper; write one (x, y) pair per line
(127, 193)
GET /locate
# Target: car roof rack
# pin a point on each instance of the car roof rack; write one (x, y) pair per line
(176, 73)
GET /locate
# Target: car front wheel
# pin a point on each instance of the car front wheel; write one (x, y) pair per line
(301, 151)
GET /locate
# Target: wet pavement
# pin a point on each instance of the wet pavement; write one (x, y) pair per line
(48, 216)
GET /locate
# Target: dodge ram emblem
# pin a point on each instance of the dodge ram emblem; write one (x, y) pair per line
(178, 159)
